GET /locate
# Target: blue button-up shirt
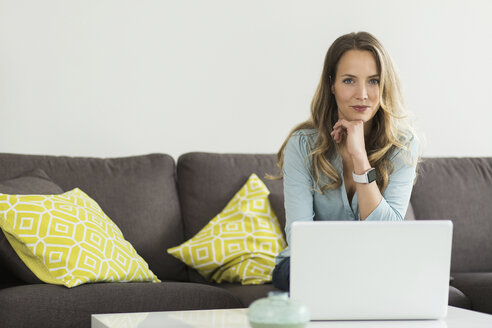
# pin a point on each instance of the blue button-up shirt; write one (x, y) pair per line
(303, 203)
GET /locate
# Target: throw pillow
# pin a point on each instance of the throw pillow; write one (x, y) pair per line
(68, 240)
(239, 244)
(33, 182)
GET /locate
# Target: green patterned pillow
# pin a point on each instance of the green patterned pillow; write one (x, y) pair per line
(67, 240)
(239, 244)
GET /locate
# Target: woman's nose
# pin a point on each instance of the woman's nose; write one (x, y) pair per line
(362, 92)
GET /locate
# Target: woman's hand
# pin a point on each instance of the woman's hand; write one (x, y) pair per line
(369, 195)
(353, 131)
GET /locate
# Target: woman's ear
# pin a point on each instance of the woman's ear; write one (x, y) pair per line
(332, 87)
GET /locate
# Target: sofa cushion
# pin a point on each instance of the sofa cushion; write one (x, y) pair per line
(478, 289)
(67, 239)
(458, 299)
(240, 243)
(459, 189)
(32, 182)
(208, 181)
(248, 294)
(139, 189)
(56, 306)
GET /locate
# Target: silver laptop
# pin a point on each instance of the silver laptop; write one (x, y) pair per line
(346, 270)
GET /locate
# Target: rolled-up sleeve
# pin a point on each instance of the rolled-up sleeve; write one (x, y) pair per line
(396, 197)
(298, 190)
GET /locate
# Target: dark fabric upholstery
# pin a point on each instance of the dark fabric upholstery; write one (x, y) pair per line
(410, 215)
(477, 287)
(53, 306)
(142, 189)
(10, 284)
(248, 294)
(208, 181)
(138, 193)
(459, 189)
(32, 182)
(458, 299)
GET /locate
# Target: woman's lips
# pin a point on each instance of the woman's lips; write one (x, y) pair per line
(360, 108)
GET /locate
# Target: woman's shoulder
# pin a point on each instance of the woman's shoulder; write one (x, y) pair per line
(306, 133)
(302, 140)
(409, 150)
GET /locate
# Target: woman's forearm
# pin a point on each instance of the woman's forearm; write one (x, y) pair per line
(368, 194)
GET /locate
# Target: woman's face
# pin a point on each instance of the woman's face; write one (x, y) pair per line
(356, 86)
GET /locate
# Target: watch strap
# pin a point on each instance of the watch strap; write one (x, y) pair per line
(368, 176)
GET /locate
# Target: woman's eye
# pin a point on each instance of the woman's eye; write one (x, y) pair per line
(348, 81)
(374, 81)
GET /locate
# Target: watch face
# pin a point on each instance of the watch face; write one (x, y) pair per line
(371, 175)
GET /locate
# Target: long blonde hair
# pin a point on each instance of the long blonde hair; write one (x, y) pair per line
(390, 129)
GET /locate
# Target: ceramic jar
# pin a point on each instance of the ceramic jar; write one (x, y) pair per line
(278, 311)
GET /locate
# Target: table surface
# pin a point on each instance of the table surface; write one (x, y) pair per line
(237, 318)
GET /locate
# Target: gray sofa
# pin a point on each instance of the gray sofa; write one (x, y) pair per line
(171, 202)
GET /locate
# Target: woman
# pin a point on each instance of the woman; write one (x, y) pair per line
(356, 157)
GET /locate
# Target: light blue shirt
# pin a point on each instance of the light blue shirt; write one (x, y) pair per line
(302, 203)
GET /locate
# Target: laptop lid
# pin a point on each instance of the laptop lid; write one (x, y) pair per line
(346, 270)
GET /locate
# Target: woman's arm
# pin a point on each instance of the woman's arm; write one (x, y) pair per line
(396, 196)
(372, 204)
(368, 194)
(298, 190)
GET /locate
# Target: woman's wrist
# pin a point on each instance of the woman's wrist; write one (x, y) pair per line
(361, 163)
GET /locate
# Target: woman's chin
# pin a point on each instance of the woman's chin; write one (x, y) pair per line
(354, 115)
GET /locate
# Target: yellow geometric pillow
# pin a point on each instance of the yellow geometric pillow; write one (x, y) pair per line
(239, 244)
(68, 240)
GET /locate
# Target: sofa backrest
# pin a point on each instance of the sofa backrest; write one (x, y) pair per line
(459, 189)
(208, 181)
(138, 193)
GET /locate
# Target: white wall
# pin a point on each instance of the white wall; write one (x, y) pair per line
(126, 77)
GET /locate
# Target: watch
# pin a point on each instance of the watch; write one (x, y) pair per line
(368, 177)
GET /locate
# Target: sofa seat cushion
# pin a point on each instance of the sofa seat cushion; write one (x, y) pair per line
(42, 305)
(458, 299)
(477, 287)
(138, 193)
(248, 294)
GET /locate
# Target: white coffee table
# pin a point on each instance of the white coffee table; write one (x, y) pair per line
(237, 318)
